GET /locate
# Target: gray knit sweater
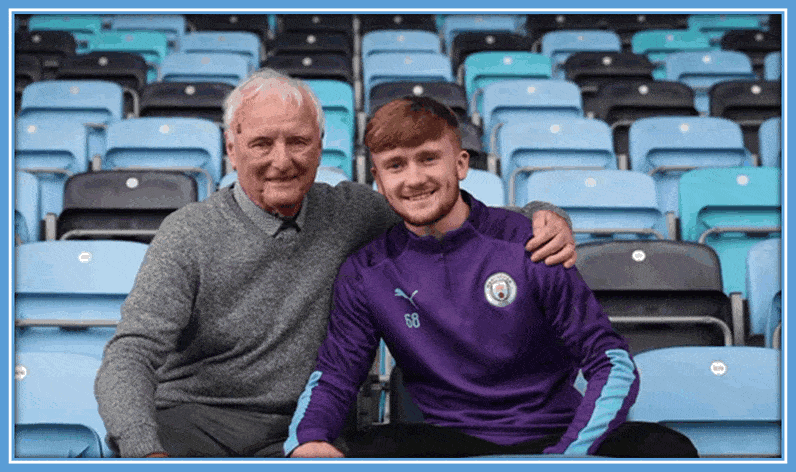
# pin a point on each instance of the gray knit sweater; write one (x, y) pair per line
(225, 313)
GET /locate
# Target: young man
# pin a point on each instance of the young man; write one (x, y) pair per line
(489, 341)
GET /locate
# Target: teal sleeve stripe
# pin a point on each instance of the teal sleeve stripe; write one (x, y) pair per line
(301, 408)
(611, 398)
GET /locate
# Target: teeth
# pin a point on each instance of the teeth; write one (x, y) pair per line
(420, 197)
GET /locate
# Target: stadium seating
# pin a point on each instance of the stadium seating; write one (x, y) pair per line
(702, 70)
(484, 186)
(665, 147)
(715, 25)
(68, 294)
(626, 26)
(730, 210)
(246, 45)
(603, 204)
(27, 69)
(725, 399)
(229, 68)
(129, 70)
(747, 103)
(252, 23)
(182, 99)
(483, 68)
(152, 45)
(770, 136)
(83, 27)
(772, 66)
(621, 103)
(190, 145)
(125, 205)
(456, 24)
(51, 150)
(313, 43)
(397, 66)
(55, 411)
(471, 42)
(50, 47)
(313, 66)
(337, 150)
(523, 100)
(763, 287)
(27, 208)
(548, 144)
(754, 43)
(337, 101)
(449, 94)
(316, 23)
(559, 45)
(660, 293)
(593, 70)
(368, 23)
(657, 45)
(404, 41)
(173, 26)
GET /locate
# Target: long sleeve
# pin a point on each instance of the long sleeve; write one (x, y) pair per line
(343, 363)
(153, 316)
(580, 323)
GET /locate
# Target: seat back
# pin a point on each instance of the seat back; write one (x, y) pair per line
(455, 24)
(191, 145)
(82, 27)
(153, 46)
(730, 210)
(449, 94)
(337, 101)
(398, 66)
(714, 26)
(50, 47)
(172, 26)
(772, 67)
(56, 414)
(702, 70)
(51, 149)
(747, 103)
(27, 207)
(657, 45)
(484, 186)
(770, 136)
(571, 142)
(185, 99)
(470, 42)
(398, 40)
(666, 147)
(245, 44)
(229, 68)
(763, 284)
(559, 45)
(337, 150)
(603, 204)
(725, 399)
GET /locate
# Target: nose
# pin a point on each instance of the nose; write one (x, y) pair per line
(280, 157)
(415, 177)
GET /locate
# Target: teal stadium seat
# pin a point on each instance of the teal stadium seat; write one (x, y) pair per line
(83, 27)
(715, 25)
(173, 26)
(658, 44)
(725, 399)
(730, 210)
(153, 46)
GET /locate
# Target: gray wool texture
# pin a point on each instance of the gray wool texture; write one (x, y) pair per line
(223, 314)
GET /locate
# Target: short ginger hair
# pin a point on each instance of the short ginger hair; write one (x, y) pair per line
(409, 122)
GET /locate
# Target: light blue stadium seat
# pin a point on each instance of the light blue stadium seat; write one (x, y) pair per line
(702, 70)
(68, 294)
(658, 44)
(772, 66)
(337, 150)
(398, 66)
(730, 210)
(763, 287)
(173, 26)
(192, 145)
(51, 149)
(228, 68)
(329, 175)
(485, 186)
(82, 27)
(93, 103)
(27, 207)
(484, 68)
(603, 204)
(665, 147)
(406, 41)
(153, 46)
(715, 25)
(337, 101)
(770, 135)
(243, 43)
(559, 45)
(725, 399)
(455, 24)
(527, 100)
(56, 413)
(548, 144)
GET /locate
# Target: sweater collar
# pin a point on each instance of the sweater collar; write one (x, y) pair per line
(273, 225)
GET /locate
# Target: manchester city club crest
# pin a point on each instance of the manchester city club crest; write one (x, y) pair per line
(500, 289)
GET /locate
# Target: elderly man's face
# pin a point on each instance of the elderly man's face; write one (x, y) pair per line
(276, 150)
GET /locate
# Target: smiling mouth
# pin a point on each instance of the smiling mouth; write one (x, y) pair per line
(421, 196)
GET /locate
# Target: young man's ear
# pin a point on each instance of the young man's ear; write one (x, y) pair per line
(462, 164)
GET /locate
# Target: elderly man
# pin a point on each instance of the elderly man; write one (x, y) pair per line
(221, 328)
(489, 341)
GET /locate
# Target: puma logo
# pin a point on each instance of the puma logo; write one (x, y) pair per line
(400, 293)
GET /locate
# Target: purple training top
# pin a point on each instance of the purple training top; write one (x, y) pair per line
(489, 342)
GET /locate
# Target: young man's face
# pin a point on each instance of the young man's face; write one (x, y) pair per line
(422, 183)
(276, 152)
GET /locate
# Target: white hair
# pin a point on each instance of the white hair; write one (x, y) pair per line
(269, 80)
